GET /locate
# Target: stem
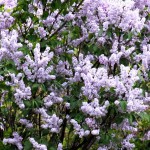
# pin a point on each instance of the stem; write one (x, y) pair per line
(65, 120)
(40, 125)
(57, 17)
(86, 143)
(64, 22)
(58, 29)
(89, 143)
(64, 127)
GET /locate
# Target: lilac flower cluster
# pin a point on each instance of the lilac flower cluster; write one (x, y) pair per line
(8, 4)
(6, 20)
(36, 8)
(126, 142)
(36, 145)
(91, 122)
(51, 99)
(21, 91)
(93, 80)
(63, 68)
(93, 108)
(50, 122)
(17, 140)
(42, 32)
(78, 130)
(51, 21)
(144, 57)
(102, 148)
(147, 136)
(80, 66)
(60, 146)
(26, 122)
(125, 126)
(37, 69)
(141, 4)
(122, 14)
(9, 46)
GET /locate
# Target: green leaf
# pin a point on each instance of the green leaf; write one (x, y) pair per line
(27, 104)
(35, 87)
(130, 118)
(130, 35)
(123, 105)
(144, 116)
(8, 132)
(27, 145)
(127, 36)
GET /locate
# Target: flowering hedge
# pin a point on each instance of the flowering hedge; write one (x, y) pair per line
(74, 74)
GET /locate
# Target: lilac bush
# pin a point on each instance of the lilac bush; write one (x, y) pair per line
(74, 74)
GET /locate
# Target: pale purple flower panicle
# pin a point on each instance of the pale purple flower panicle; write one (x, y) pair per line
(36, 145)
(60, 146)
(17, 140)
(26, 122)
(126, 142)
(94, 109)
(37, 68)
(21, 91)
(50, 122)
(146, 136)
(9, 47)
(51, 99)
(78, 129)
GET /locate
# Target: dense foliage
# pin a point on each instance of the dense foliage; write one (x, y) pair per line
(74, 74)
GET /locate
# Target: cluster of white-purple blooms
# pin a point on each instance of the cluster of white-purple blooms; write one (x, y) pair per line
(147, 136)
(126, 142)
(36, 145)
(122, 14)
(51, 99)
(78, 130)
(26, 122)
(63, 68)
(50, 122)
(37, 69)
(17, 140)
(21, 91)
(6, 20)
(9, 46)
(8, 4)
(93, 108)
(60, 147)
(126, 126)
